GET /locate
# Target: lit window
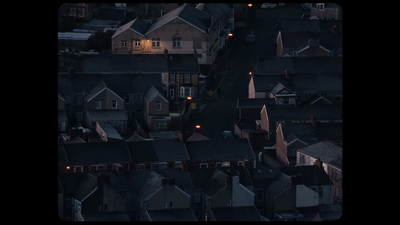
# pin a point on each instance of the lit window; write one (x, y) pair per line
(226, 164)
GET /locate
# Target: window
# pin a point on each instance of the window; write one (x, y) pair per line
(320, 6)
(155, 42)
(229, 203)
(176, 42)
(97, 167)
(155, 166)
(218, 164)
(123, 43)
(161, 125)
(140, 166)
(302, 159)
(187, 78)
(171, 204)
(177, 164)
(286, 101)
(336, 191)
(98, 104)
(126, 99)
(186, 91)
(114, 104)
(334, 174)
(158, 106)
(291, 151)
(226, 164)
(239, 163)
(163, 165)
(78, 169)
(165, 204)
(172, 78)
(137, 43)
(203, 165)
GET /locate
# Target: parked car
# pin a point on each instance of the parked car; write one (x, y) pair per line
(305, 6)
(227, 134)
(268, 5)
(250, 39)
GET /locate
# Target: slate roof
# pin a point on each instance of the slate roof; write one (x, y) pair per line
(219, 150)
(152, 93)
(270, 65)
(278, 185)
(87, 185)
(135, 179)
(99, 152)
(183, 63)
(119, 83)
(182, 179)
(304, 112)
(218, 10)
(151, 185)
(157, 151)
(201, 176)
(172, 215)
(186, 12)
(243, 213)
(327, 151)
(136, 25)
(312, 175)
(244, 177)
(262, 177)
(197, 137)
(215, 184)
(70, 182)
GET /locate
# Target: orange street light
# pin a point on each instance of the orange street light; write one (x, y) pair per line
(250, 73)
(250, 5)
(189, 98)
(197, 126)
(230, 34)
(68, 167)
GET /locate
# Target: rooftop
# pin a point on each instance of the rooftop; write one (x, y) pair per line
(327, 151)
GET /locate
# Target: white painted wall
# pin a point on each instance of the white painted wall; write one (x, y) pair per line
(306, 197)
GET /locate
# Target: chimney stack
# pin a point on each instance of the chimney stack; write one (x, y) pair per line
(318, 162)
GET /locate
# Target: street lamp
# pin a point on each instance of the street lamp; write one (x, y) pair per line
(226, 48)
(197, 126)
(250, 73)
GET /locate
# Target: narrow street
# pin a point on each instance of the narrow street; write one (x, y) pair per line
(220, 114)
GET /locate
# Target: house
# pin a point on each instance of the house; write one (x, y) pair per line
(310, 38)
(103, 105)
(220, 153)
(92, 196)
(94, 156)
(183, 30)
(293, 136)
(326, 11)
(157, 154)
(329, 156)
(297, 189)
(156, 110)
(248, 125)
(161, 199)
(287, 79)
(182, 79)
(224, 193)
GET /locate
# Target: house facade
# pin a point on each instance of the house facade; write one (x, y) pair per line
(156, 110)
(102, 105)
(329, 156)
(326, 11)
(184, 30)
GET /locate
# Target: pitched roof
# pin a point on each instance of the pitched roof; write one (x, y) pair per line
(151, 185)
(157, 151)
(87, 186)
(183, 63)
(186, 12)
(97, 152)
(152, 93)
(311, 175)
(219, 150)
(138, 26)
(105, 115)
(327, 151)
(304, 112)
(197, 137)
(270, 65)
(215, 184)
